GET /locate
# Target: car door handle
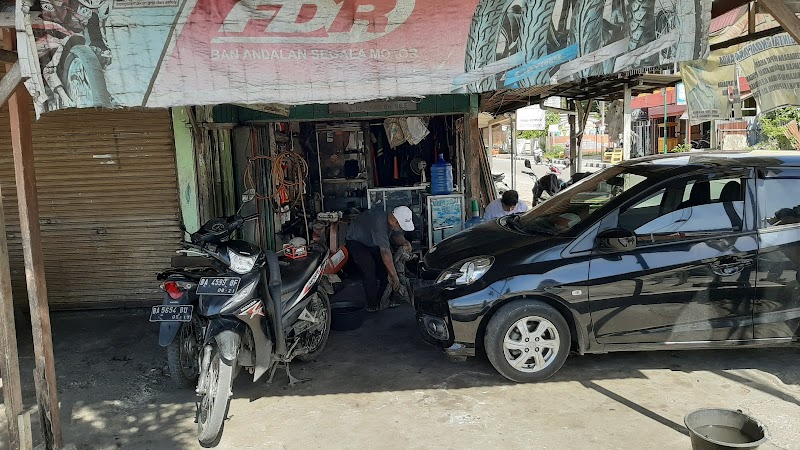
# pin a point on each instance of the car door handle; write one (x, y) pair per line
(730, 266)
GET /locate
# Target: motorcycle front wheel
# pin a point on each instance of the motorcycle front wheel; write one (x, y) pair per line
(83, 78)
(214, 404)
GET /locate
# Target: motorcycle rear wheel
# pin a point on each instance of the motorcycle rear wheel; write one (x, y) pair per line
(183, 355)
(321, 309)
(214, 404)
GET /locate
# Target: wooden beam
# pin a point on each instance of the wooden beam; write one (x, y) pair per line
(25, 177)
(747, 38)
(7, 56)
(784, 16)
(720, 7)
(9, 363)
(9, 83)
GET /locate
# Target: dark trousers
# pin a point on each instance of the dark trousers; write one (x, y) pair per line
(370, 265)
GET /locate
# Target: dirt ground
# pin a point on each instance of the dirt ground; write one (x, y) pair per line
(382, 387)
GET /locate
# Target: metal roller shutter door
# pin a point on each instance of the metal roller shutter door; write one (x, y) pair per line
(108, 205)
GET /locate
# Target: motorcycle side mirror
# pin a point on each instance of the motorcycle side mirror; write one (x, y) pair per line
(248, 195)
(616, 240)
(528, 163)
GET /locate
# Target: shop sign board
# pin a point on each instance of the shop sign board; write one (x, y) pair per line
(161, 53)
(530, 118)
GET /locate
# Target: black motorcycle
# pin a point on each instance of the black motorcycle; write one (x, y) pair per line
(259, 314)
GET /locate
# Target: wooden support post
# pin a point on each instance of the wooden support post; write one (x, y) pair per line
(25, 176)
(784, 16)
(9, 369)
(9, 360)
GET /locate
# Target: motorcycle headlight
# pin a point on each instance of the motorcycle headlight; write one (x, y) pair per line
(466, 272)
(241, 264)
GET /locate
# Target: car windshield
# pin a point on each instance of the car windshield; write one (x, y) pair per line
(580, 202)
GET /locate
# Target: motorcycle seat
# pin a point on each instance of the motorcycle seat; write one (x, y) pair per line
(295, 273)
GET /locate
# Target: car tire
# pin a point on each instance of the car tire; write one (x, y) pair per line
(545, 350)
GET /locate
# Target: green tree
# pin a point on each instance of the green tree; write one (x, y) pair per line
(773, 125)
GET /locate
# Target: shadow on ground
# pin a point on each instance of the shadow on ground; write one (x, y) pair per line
(115, 390)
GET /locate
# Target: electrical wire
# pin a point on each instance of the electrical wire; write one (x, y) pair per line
(287, 175)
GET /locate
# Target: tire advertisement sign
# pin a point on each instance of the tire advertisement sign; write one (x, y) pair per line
(160, 53)
(708, 84)
(771, 66)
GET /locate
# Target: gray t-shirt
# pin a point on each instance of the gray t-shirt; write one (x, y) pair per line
(371, 228)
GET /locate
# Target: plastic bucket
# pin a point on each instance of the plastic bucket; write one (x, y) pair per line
(718, 429)
(346, 316)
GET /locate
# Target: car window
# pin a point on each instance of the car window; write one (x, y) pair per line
(687, 209)
(780, 203)
(579, 202)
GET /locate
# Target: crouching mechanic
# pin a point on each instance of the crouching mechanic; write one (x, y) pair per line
(369, 243)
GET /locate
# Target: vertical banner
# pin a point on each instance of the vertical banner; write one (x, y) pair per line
(772, 68)
(160, 53)
(708, 85)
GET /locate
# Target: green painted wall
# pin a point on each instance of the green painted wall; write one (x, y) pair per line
(187, 170)
(434, 104)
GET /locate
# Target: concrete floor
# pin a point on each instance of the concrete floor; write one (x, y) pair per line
(382, 387)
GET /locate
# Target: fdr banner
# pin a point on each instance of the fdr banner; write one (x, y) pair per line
(159, 53)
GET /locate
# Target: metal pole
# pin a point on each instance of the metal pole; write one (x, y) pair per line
(513, 151)
(665, 121)
(491, 147)
(626, 125)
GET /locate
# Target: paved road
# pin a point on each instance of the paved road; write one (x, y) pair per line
(524, 186)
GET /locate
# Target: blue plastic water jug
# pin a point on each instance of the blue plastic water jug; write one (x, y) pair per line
(441, 177)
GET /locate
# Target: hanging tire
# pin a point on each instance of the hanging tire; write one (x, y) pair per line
(183, 355)
(482, 40)
(320, 308)
(527, 341)
(587, 31)
(83, 78)
(214, 403)
(642, 27)
(536, 31)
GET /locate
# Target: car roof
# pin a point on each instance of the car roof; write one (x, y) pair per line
(699, 159)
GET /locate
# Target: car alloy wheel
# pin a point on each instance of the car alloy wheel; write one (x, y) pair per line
(531, 344)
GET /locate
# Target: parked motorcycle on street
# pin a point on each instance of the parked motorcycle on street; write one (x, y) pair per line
(549, 184)
(499, 184)
(259, 314)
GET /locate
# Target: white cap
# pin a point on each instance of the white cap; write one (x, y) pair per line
(404, 216)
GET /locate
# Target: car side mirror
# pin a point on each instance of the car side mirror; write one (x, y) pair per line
(616, 240)
(528, 163)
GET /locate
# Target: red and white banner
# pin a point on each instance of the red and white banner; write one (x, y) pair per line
(159, 53)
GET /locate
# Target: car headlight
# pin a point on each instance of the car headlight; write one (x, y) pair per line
(241, 264)
(466, 272)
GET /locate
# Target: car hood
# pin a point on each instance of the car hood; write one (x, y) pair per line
(487, 239)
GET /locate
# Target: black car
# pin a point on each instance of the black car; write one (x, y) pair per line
(696, 250)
